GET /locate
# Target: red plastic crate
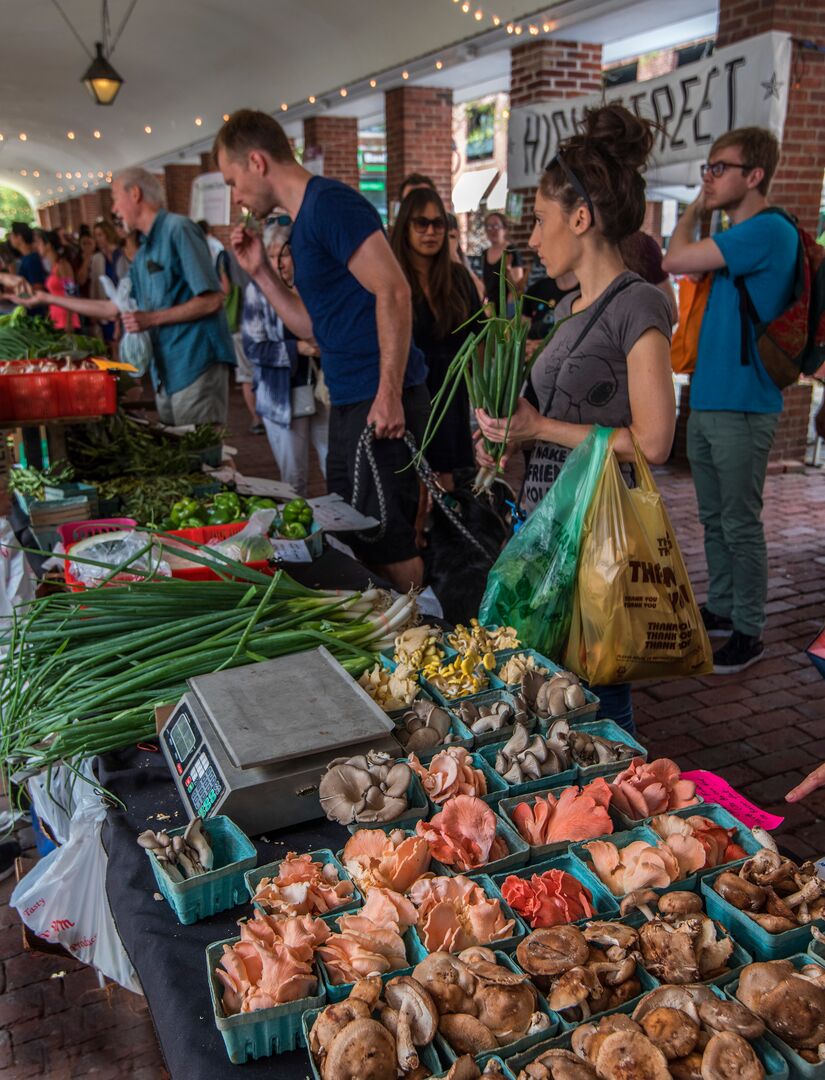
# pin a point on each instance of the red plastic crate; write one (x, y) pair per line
(193, 573)
(52, 394)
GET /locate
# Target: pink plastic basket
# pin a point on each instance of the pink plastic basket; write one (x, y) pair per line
(73, 531)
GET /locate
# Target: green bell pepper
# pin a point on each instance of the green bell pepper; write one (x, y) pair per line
(298, 510)
(293, 530)
(181, 510)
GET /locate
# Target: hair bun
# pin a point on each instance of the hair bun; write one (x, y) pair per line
(619, 134)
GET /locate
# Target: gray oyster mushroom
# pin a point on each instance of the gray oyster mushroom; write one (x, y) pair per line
(364, 788)
(180, 857)
(424, 726)
(523, 758)
(552, 696)
(491, 715)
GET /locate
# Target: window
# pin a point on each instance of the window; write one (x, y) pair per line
(480, 132)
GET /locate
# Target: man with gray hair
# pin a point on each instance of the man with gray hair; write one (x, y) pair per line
(180, 303)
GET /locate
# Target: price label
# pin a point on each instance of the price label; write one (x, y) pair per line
(714, 789)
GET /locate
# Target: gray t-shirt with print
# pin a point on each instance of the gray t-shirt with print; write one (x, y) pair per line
(590, 386)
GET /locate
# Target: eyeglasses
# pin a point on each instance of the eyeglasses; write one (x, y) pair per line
(279, 219)
(422, 224)
(575, 184)
(717, 169)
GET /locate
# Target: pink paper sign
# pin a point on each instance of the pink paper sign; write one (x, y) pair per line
(714, 789)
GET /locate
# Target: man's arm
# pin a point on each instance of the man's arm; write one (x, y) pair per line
(199, 307)
(375, 268)
(249, 251)
(686, 255)
(95, 309)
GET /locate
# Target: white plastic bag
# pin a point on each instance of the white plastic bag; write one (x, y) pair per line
(16, 578)
(134, 348)
(55, 800)
(252, 543)
(63, 899)
(113, 550)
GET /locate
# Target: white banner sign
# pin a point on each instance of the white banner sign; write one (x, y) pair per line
(209, 199)
(739, 86)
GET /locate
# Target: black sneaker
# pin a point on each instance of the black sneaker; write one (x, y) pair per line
(9, 851)
(716, 625)
(257, 428)
(738, 652)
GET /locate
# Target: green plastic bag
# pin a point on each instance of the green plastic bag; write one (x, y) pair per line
(532, 584)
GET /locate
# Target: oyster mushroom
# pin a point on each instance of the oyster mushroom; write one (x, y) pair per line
(522, 759)
(363, 1050)
(672, 1030)
(730, 1057)
(423, 726)
(364, 788)
(623, 1047)
(466, 1034)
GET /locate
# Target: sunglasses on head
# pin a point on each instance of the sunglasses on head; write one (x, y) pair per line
(421, 224)
(574, 183)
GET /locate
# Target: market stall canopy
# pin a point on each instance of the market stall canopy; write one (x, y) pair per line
(471, 189)
(187, 64)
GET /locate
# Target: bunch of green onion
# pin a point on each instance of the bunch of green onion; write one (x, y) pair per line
(81, 673)
(493, 364)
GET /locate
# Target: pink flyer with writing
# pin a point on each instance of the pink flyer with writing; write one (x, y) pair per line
(714, 789)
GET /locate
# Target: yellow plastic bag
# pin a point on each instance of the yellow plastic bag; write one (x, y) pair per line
(634, 612)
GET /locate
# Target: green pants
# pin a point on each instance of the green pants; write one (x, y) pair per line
(728, 454)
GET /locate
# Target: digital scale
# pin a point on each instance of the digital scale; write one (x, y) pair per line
(253, 742)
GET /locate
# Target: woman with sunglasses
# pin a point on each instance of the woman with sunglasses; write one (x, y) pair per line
(444, 297)
(495, 226)
(613, 370)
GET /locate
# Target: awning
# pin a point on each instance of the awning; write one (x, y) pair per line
(471, 189)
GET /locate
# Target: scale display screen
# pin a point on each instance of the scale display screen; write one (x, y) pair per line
(183, 740)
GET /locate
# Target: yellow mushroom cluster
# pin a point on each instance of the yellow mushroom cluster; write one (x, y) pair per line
(418, 647)
(476, 638)
(461, 676)
(392, 690)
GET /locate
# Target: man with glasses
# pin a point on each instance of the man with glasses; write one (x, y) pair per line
(734, 404)
(351, 296)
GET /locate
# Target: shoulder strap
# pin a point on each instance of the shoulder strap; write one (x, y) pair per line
(599, 309)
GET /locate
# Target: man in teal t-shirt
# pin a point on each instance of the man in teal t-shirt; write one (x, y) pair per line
(734, 404)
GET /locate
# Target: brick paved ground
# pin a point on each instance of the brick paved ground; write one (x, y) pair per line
(762, 731)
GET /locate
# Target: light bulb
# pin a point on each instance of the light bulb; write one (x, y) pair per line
(439, 64)
(311, 99)
(284, 106)
(148, 129)
(96, 134)
(405, 74)
(343, 92)
(478, 15)
(22, 136)
(373, 83)
(198, 121)
(70, 135)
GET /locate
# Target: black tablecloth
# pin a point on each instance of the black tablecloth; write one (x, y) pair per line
(169, 958)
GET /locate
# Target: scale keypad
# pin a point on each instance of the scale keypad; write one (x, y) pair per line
(202, 784)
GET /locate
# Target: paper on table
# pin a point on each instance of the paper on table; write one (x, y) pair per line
(335, 515)
(292, 550)
(714, 789)
(257, 485)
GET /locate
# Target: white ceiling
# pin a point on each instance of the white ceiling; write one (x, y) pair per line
(183, 59)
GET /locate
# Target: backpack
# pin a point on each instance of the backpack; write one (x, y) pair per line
(793, 343)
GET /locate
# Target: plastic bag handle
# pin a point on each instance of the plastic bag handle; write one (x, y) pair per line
(644, 477)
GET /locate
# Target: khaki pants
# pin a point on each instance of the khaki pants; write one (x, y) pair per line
(205, 401)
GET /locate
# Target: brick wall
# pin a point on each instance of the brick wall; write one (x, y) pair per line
(791, 439)
(91, 207)
(798, 182)
(338, 137)
(178, 182)
(542, 71)
(419, 137)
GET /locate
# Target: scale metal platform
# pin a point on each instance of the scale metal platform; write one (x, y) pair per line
(252, 742)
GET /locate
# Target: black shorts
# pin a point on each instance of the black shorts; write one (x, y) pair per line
(346, 423)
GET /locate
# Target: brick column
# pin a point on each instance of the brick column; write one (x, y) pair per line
(338, 138)
(798, 182)
(91, 207)
(419, 137)
(74, 219)
(178, 182)
(208, 162)
(545, 71)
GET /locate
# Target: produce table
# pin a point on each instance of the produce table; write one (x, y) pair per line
(168, 957)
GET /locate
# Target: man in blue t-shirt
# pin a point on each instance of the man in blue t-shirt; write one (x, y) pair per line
(353, 298)
(734, 404)
(30, 268)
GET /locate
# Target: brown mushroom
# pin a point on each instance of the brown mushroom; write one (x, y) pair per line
(450, 983)
(687, 1068)
(466, 1034)
(363, 1050)
(559, 1064)
(730, 1057)
(773, 924)
(795, 1011)
(721, 1015)
(417, 1018)
(572, 990)
(757, 980)
(639, 900)
(686, 998)
(552, 951)
(506, 1010)
(672, 1030)
(477, 954)
(680, 903)
(669, 952)
(331, 1020)
(611, 934)
(463, 1068)
(623, 1047)
(740, 893)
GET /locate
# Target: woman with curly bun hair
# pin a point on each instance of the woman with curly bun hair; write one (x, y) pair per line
(609, 363)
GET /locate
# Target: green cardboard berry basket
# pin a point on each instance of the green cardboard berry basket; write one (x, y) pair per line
(218, 889)
(261, 1033)
(322, 855)
(621, 840)
(485, 697)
